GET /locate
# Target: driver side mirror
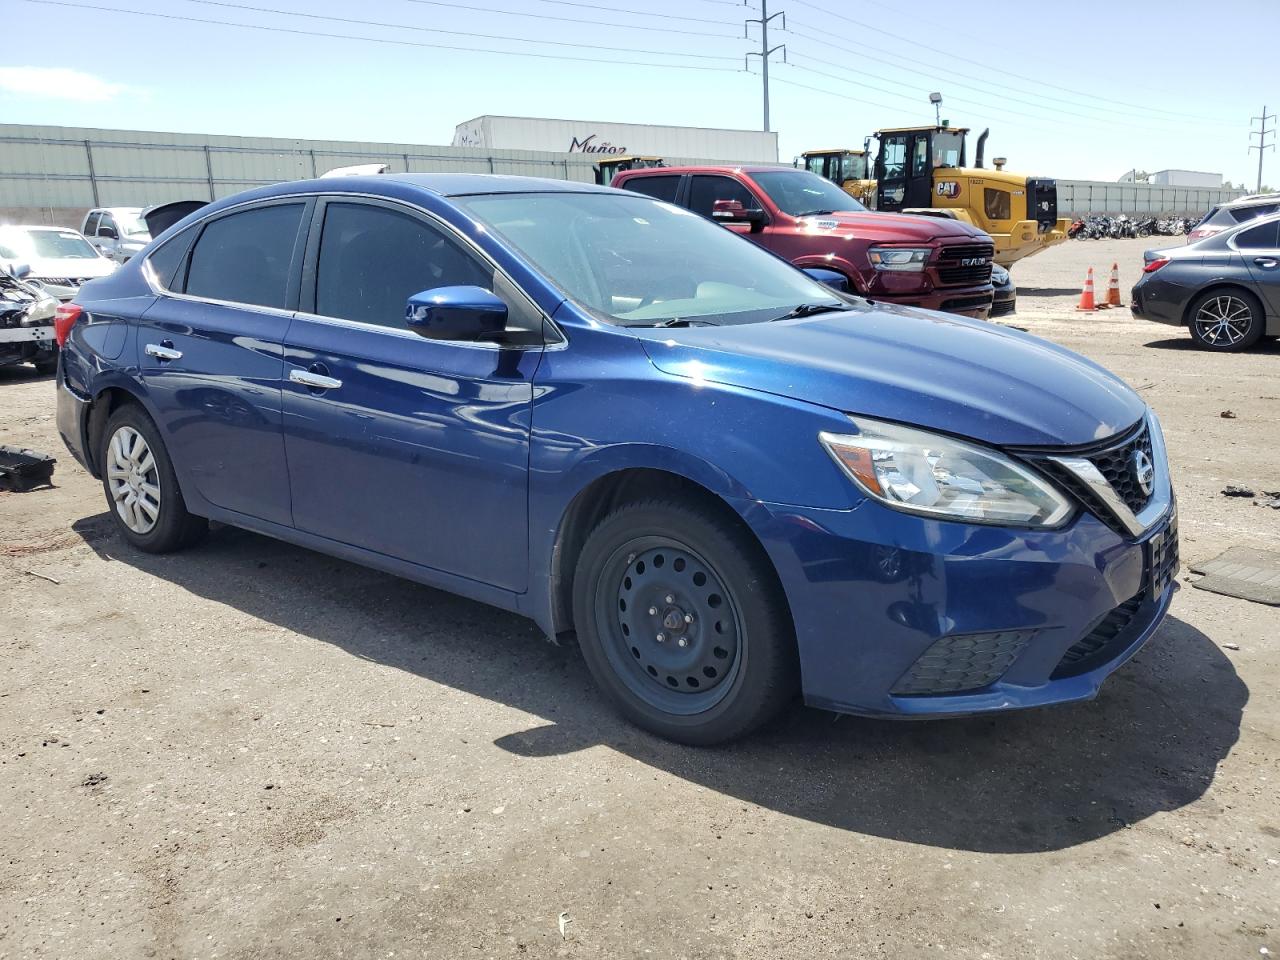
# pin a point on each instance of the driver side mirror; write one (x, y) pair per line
(18, 269)
(456, 313)
(108, 233)
(732, 211)
(831, 278)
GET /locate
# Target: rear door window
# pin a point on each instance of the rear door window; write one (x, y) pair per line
(704, 191)
(1265, 236)
(91, 224)
(660, 188)
(246, 257)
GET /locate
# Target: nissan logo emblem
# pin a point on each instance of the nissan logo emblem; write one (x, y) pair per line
(1144, 471)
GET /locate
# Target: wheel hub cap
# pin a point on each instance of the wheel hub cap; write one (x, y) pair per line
(133, 480)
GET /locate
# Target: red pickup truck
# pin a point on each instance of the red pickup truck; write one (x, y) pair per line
(931, 262)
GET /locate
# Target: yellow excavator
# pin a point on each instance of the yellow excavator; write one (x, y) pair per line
(924, 170)
(605, 169)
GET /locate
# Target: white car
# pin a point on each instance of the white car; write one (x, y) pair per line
(60, 259)
(118, 232)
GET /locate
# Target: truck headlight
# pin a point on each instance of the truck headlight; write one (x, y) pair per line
(899, 259)
(927, 473)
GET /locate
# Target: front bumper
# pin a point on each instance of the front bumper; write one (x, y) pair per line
(969, 302)
(902, 616)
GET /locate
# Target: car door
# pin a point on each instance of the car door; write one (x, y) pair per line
(705, 189)
(210, 352)
(107, 237)
(1260, 247)
(413, 448)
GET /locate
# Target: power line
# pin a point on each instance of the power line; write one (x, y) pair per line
(1146, 109)
(456, 33)
(635, 13)
(575, 20)
(382, 40)
(832, 93)
(949, 78)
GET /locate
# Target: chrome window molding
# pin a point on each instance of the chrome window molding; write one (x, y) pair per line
(1161, 496)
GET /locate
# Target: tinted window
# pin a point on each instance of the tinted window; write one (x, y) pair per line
(1242, 214)
(372, 260)
(107, 224)
(1262, 237)
(91, 224)
(996, 204)
(660, 188)
(245, 257)
(169, 257)
(705, 191)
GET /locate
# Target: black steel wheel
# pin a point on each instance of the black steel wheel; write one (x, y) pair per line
(682, 623)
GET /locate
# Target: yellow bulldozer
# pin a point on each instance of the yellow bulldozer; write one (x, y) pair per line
(924, 170)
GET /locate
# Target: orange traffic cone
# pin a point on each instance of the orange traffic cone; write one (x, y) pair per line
(1113, 288)
(1086, 295)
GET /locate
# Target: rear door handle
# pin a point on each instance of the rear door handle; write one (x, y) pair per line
(1267, 262)
(162, 351)
(313, 381)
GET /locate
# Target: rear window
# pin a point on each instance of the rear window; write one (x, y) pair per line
(660, 188)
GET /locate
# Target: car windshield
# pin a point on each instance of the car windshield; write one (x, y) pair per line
(804, 194)
(16, 244)
(635, 261)
(132, 225)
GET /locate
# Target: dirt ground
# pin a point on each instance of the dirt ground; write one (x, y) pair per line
(250, 750)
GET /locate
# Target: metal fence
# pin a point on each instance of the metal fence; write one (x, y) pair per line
(54, 174)
(1079, 198)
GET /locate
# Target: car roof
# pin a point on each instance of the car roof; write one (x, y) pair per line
(1257, 198)
(37, 226)
(465, 184)
(712, 168)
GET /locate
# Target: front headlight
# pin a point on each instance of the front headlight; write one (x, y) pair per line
(999, 275)
(927, 473)
(899, 259)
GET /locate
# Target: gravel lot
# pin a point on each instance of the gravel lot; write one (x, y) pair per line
(250, 750)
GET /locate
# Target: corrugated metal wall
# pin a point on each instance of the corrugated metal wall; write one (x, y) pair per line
(53, 174)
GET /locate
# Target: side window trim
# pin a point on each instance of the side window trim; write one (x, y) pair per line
(308, 275)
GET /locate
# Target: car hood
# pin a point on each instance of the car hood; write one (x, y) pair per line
(935, 370)
(71, 267)
(894, 227)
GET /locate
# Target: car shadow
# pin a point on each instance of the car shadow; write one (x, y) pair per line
(1184, 342)
(1022, 782)
(1048, 291)
(21, 373)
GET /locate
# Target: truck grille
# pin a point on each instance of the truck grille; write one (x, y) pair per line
(965, 264)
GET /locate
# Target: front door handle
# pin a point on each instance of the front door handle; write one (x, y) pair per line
(162, 351)
(313, 381)
(1267, 263)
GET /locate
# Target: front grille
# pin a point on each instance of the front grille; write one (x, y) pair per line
(1106, 637)
(1003, 308)
(954, 272)
(962, 663)
(64, 281)
(1163, 562)
(1113, 460)
(965, 304)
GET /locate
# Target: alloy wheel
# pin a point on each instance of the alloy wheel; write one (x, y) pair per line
(133, 479)
(1224, 321)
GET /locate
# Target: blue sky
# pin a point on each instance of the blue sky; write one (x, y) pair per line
(1085, 90)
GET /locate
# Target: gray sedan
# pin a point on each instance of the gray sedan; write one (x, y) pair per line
(1225, 288)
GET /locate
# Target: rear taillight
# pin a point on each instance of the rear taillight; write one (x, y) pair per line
(64, 320)
(1155, 265)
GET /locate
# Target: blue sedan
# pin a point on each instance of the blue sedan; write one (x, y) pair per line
(731, 483)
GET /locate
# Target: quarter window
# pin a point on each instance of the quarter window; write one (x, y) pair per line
(166, 260)
(372, 260)
(660, 188)
(245, 257)
(705, 191)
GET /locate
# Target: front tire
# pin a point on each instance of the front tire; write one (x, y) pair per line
(682, 622)
(1226, 321)
(141, 486)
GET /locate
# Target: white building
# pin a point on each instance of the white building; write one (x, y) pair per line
(604, 138)
(1185, 178)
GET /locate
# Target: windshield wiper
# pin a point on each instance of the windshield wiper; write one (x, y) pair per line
(677, 322)
(814, 213)
(809, 309)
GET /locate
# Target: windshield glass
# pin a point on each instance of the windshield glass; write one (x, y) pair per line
(16, 244)
(132, 225)
(803, 194)
(638, 262)
(948, 149)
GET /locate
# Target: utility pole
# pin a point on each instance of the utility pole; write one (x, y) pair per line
(765, 51)
(1261, 146)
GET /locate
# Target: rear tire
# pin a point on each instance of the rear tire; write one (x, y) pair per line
(682, 622)
(141, 486)
(1226, 321)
